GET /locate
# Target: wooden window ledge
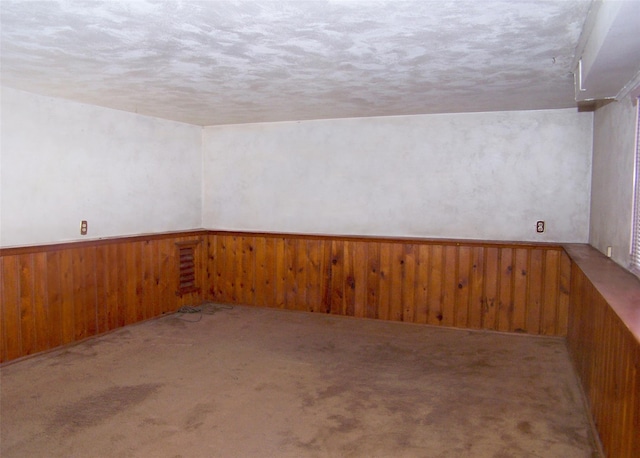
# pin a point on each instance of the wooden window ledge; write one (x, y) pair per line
(617, 286)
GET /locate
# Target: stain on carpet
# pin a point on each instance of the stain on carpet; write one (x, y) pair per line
(92, 410)
(197, 416)
(524, 427)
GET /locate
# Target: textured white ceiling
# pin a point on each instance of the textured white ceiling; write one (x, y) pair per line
(222, 62)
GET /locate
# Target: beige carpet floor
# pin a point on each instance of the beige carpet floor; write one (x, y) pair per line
(255, 382)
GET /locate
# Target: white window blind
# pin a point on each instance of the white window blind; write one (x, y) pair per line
(635, 239)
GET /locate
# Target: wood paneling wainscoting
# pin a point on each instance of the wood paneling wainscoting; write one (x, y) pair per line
(57, 294)
(604, 343)
(476, 285)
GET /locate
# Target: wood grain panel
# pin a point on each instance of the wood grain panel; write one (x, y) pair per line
(518, 287)
(461, 318)
(40, 310)
(605, 352)
(360, 273)
(505, 298)
(111, 284)
(476, 294)
(422, 284)
(67, 293)
(290, 286)
(384, 294)
(61, 295)
(396, 270)
(314, 275)
(64, 294)
(536, 281)
(11, 308)
(219, 277)
(247, 285)
(550, 293)
(280, 273)
(436, 264)
(27, 320)
(491, 286)
(53, 300)
(520, 296)
(408, 265)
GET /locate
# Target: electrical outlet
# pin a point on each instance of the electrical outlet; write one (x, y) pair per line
(540, 226)
(83, 227)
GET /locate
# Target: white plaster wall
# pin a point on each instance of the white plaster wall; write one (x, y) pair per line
(473, 175)
(612, 182)
(63, 162)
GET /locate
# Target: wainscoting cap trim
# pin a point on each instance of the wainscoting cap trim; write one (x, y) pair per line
(391, 238)
(10, 251)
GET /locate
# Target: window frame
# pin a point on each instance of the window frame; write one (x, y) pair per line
(634, 256)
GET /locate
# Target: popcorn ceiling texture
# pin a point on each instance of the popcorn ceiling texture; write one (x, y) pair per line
(226, 62)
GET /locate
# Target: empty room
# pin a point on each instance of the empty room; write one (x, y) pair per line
(323, 228)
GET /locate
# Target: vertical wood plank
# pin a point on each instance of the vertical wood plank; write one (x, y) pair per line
(54, 299)
(291, 287)
(132, 283)
(361, 274)
(40, 307)
(384, 309)
(112, 285)
(229, 272)
(124, 285)
(409, 284)
(209, 272)
(67, 295)
(373, 280)
(237, 279)
(491, 293)
(520, 282)
(550, 286)
(564, 290)
(281, 273)
(89, 288)
(422, 283)
(101, 289)
(449, 284)
(326, 275)
(534, 303)
(461, 318)
(11, 308)
(436, 277)
(154, 275)
(147, 286)
(301, 271)
(248, 271)
(337, 277)
(349, 279)
(221, 293)
(271, 272)
(81, 310)
(505, 301)
(476, 293)
(397, 273)
(262, 280)
(27, 320)
(313, 279)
